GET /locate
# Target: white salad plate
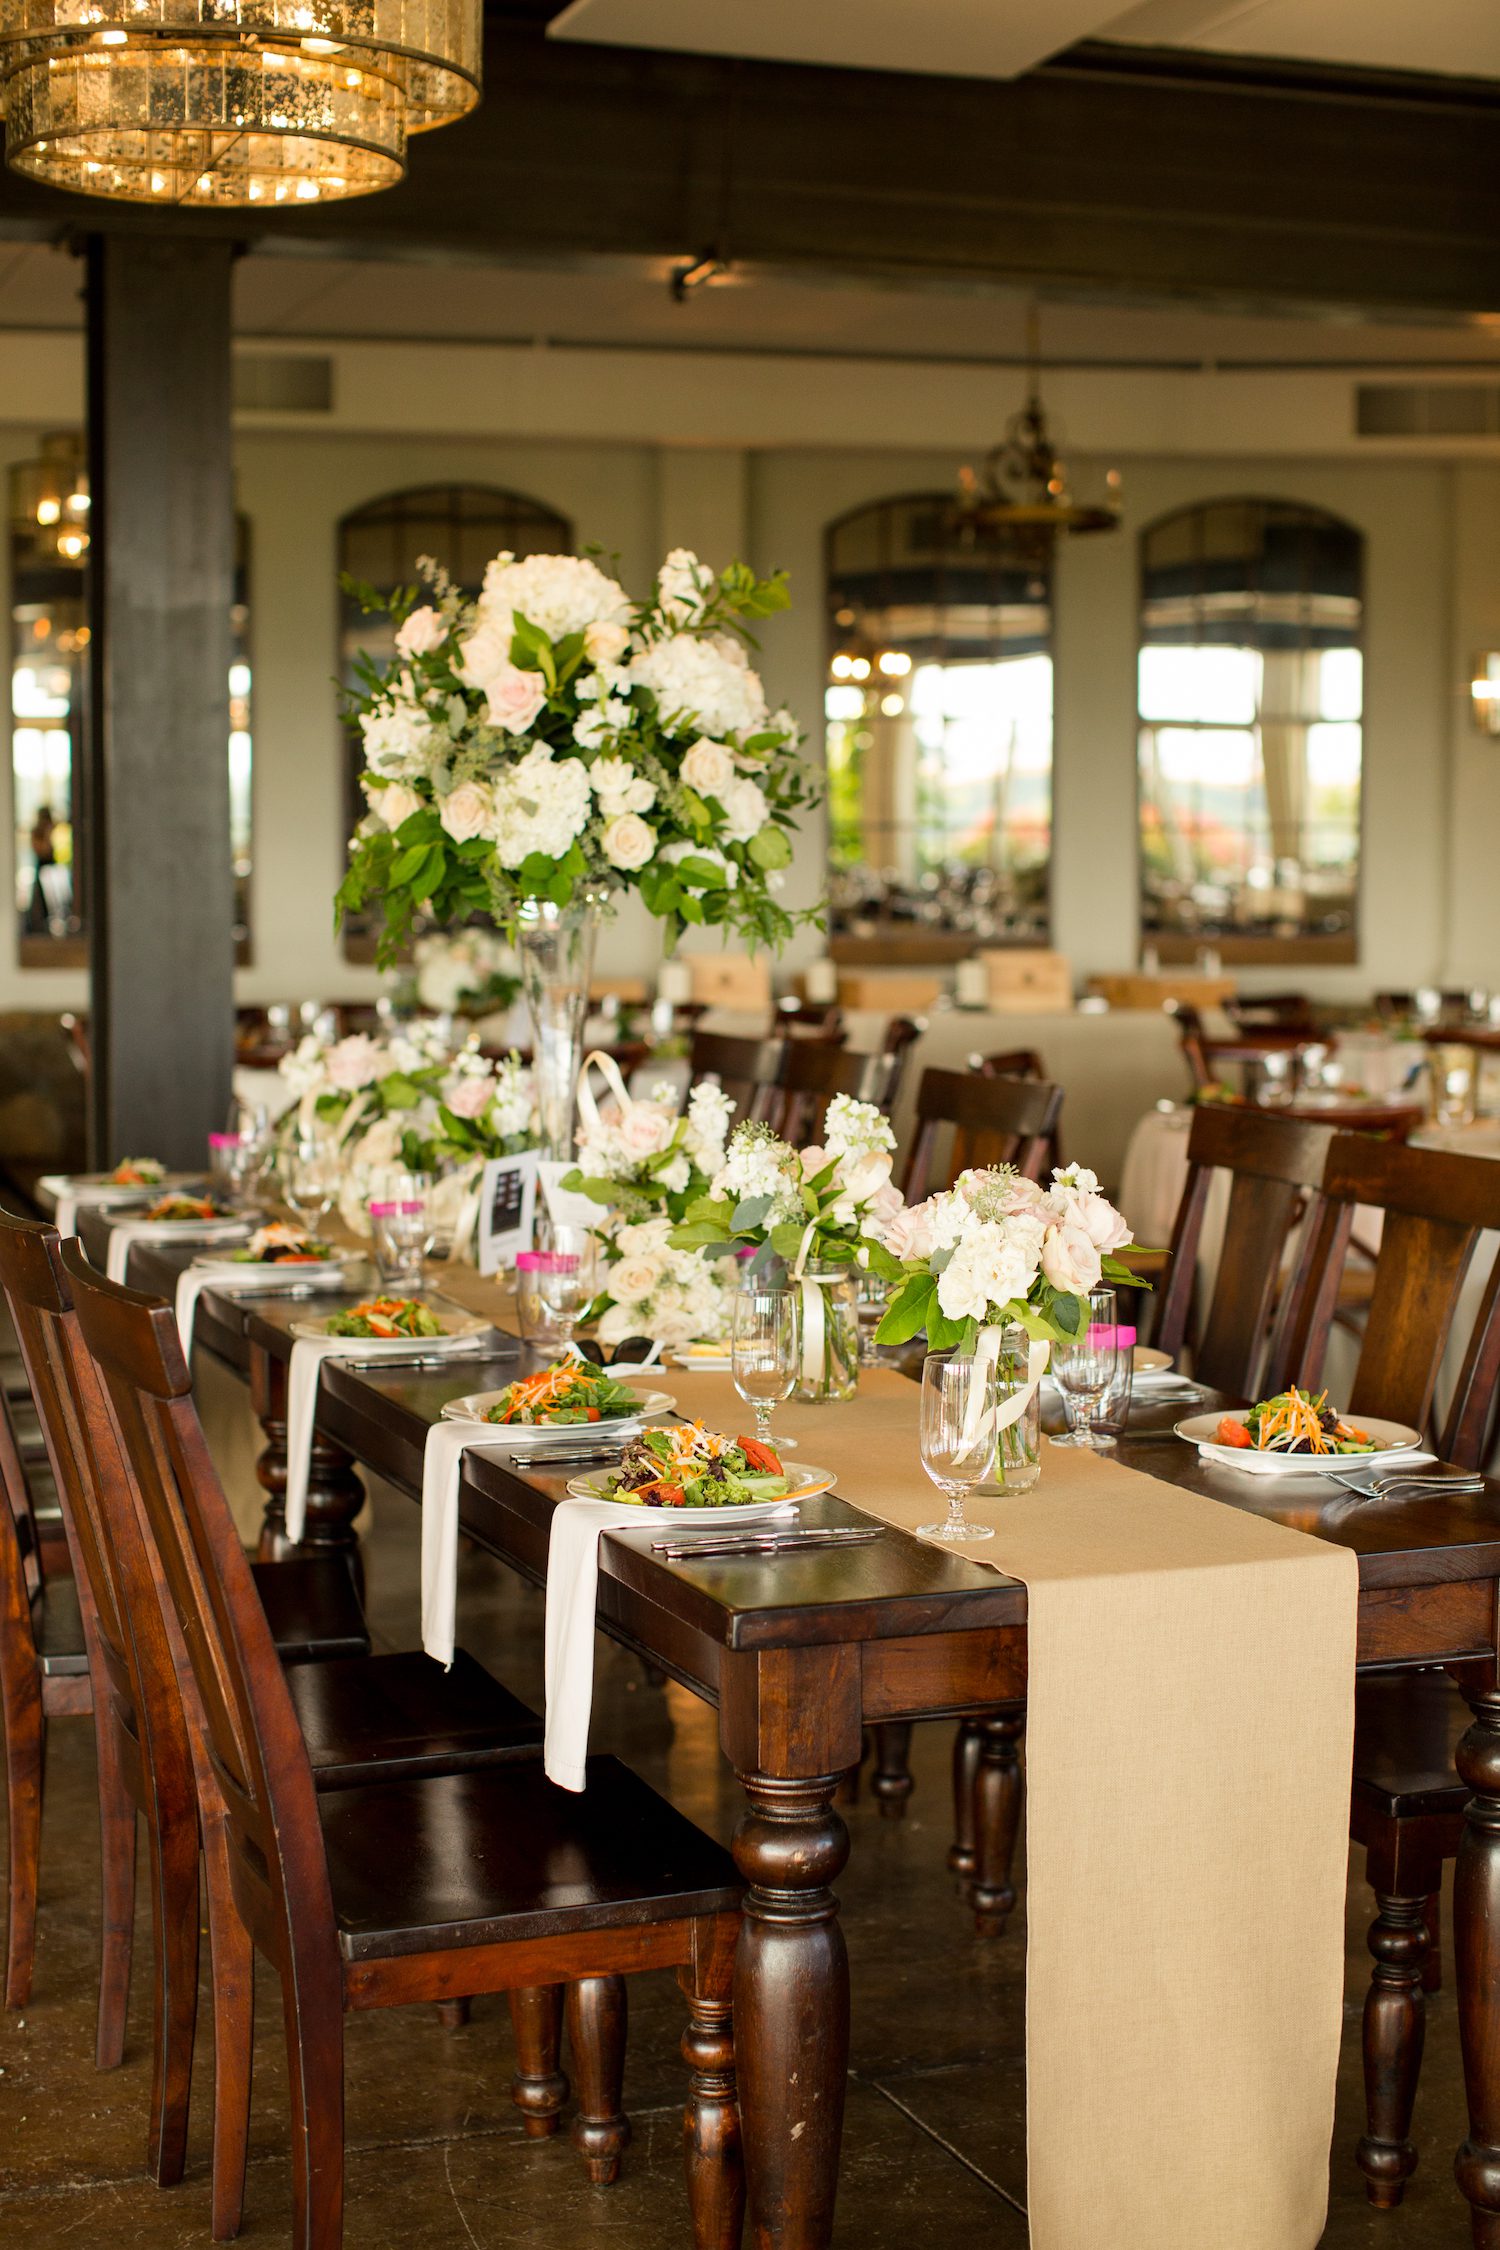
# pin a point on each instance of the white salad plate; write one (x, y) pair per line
(475, 1408)
(1395, 1442)
(460, 1329)
(803, 1483)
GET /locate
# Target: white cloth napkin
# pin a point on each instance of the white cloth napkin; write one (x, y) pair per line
(68, 1199)
(303, 1375)
(124, 1235)
(442, 1464)
(247, 1281)
(572, 1586)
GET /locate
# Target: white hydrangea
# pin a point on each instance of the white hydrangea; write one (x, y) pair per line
(397, 738)
(559, 594)
(541, 804)
(594, 728)
(703, 680)
(619, 788)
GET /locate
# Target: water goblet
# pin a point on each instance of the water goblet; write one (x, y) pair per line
(765, 1345)
(960, 1401)
(1088, 1368)
(401, 1229)
(565, 1280)
(310, 1177)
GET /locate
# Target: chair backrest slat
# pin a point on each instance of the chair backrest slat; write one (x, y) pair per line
(258, 1753)
(1435, 1206)
(986, 1120)
(811, 1074)
(1275, 1165)
(749, 1070)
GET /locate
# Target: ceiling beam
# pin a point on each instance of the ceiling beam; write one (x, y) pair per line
(1113, 171)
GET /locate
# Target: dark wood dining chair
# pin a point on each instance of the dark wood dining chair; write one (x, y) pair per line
(811, 1074)
(1275, 1167)
(1021, 1062)
(747, 1069)
(1407, 1803)
(363, 1717)
(898, 1047)
(405, 1890)
(44, 1674)
(984, 1121)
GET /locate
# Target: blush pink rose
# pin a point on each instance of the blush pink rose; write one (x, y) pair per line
(1069, 1259)
(514, 697)
(353, 1063)
(469, 1097)
(646, 1130)
(421, 633)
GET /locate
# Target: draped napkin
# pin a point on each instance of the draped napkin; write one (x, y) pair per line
(442, 1466)
(245, 1281)
(304, 1372)
(572, 1590)
(124, 1234)
(69, 1197)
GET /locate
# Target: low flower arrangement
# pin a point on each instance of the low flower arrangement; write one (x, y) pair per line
(554, 740)
(645, 1165)
(996, 1248)
(410, 1100)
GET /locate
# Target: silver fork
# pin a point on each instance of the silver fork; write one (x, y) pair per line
(1412, 1481)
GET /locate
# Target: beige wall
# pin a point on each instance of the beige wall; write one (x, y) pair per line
(750, 483)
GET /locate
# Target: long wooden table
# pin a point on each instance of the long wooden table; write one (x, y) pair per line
(801, 1654)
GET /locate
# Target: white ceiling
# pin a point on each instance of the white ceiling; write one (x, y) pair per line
(1002, 38)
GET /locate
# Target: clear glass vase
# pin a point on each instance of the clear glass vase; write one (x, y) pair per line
(829, 1366)
(556, 948)
(1018, 1450)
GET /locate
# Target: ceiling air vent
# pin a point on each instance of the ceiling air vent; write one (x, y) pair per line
(283, 382)
(1409, 410)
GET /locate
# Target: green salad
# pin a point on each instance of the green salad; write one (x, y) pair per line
(690, 1467)
(385, 1316)
(571, 1391)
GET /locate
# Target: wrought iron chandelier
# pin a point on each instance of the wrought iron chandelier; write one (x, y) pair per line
(230, 102)
(1019, 495)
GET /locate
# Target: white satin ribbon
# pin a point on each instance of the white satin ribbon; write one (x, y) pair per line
(609, 1071)
(986, 1356)
(814, 1312)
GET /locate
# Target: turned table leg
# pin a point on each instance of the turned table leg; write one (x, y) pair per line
(891, 1783)
(967, 1743)
(791, 2008)
(335, 1494)
(1476, 1955)
(1394, 2030)
(997, 1817)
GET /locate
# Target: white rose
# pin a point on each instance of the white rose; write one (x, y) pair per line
(629, 841)
(422, 632)
(962, 1291)
(619, 788)
(605, 643)
(1070, 1260)
(395, 803)
(864, 1179)
(515, 698)
(485, 653)
(745, 810)
(684, 583)
(631, 1281)
(468, 810)
(709, 769)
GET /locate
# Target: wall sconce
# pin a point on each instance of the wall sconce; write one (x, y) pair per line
(1484, 691)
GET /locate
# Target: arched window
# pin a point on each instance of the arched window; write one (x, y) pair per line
(461, 526)
(49, 639)
(939, 732)
(1250, 708)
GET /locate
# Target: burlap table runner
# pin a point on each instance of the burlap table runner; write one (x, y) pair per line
(1190, 1723)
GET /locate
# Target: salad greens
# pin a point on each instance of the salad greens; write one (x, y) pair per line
(690, 1467)
(570, 1391)
(385, 1316)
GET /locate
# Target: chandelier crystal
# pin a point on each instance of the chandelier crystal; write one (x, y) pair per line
(214, 102)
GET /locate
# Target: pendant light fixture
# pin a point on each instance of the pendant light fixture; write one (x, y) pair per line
(230, 102)
(1019, 496)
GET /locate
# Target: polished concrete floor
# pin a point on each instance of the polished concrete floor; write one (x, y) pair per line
(935, 2129)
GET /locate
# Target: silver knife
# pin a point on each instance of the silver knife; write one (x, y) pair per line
(748, 1543)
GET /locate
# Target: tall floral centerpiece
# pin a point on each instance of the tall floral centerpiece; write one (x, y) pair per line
(997, 1251)
(643, 1165)
(820, 1212)
(532, 754)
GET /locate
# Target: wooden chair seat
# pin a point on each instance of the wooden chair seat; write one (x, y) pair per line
(1406, 1728)
(57, 1629)
(504, 1858)
(398, 1718)
(312, 1608)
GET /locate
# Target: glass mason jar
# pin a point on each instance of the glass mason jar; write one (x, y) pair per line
(1018, 1450)
(833, 1372)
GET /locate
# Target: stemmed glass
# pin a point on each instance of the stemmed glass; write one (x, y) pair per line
(310, 1177)
(401, 1229)
(1088, 1369)
(765, 1343)
(960, 1400)
(565, 1280)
